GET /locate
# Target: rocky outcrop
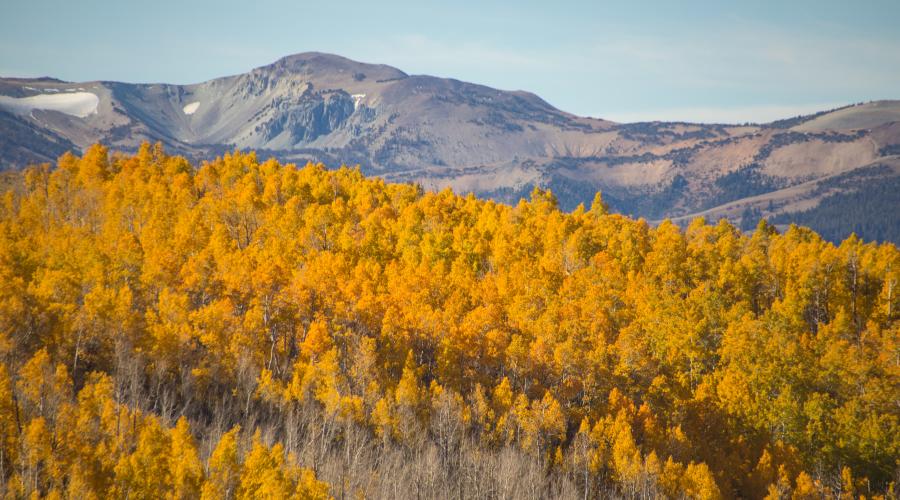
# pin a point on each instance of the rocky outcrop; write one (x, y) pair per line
(315, 115)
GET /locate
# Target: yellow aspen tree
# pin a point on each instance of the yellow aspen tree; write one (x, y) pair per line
(262, 473)
(408, 397)
(9, 426)
(698, 482)
(308, 487)
(224, 469)
(805, 488)
(184, 463)
(36, 456)
(145, 473)
(44, 386)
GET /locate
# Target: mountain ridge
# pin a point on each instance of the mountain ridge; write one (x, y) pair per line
(443, 132)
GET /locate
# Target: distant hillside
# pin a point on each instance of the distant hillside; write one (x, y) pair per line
(443, 132)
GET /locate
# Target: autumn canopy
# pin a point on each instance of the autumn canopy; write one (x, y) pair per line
(258, 330)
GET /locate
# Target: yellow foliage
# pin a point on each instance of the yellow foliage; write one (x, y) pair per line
(224, 468)
(135, 289)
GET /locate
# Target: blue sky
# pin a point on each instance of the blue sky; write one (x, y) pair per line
(691, 60)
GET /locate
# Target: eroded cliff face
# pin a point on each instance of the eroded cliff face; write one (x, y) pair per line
(314, 115)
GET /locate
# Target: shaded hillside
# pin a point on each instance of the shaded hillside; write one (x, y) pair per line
(871, 212)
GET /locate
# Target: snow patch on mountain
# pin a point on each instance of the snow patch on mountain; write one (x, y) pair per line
(80, 104)
(191, 108)
(357, 100)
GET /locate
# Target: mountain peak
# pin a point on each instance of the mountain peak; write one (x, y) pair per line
(321, 62)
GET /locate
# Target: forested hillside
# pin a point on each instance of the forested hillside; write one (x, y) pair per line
(249, 329)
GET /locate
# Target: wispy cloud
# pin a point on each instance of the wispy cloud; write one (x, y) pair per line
(754, 57)
(725, 73)
(412, 51)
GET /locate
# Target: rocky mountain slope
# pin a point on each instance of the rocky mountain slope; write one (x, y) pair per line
(499, 144)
